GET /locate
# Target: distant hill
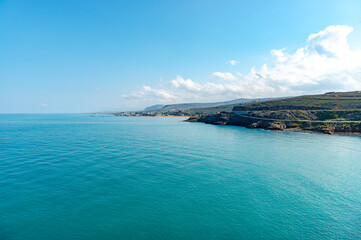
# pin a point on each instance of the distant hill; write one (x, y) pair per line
(154, 107)
(197, 106)
(210, 110)
(328, 101)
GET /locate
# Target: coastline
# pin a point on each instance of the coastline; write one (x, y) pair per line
(137, 115)
(315, 127)
(357, 134)
(294, 130)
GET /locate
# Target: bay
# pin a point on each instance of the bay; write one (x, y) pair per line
(78, 176)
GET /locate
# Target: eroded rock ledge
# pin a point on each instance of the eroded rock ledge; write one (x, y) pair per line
(253, 120)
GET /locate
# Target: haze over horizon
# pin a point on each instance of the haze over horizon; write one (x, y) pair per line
(77, 56)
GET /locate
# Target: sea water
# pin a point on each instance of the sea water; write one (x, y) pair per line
(78, 176)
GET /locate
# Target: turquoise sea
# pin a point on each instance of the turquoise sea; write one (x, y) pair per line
(74, 176)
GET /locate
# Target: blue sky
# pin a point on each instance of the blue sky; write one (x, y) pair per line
(82, 56)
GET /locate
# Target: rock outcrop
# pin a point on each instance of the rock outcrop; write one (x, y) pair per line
(250, 121)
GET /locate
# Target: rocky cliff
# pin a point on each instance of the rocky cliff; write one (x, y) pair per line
(329, 113)
(247, 121)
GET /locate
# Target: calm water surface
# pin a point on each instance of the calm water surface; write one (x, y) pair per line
(80, 177)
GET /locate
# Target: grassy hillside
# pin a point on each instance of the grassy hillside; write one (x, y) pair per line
(222, 108)
(209, 110)
(329, 101)
(327, 113)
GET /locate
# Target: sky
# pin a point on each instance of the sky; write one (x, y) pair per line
(72, 56)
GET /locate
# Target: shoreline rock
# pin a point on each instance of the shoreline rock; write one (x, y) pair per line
(309, 126)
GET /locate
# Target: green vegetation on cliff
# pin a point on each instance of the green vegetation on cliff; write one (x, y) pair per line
(328, 101)
(327, 113)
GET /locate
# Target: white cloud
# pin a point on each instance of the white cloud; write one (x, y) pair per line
(325, 63)
(224, 75)
(232, 62)
(185, 90)
(44, 105)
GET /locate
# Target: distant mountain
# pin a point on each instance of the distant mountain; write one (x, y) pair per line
(187, 106)
(154, 107)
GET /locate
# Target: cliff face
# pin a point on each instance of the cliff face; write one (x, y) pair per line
(241, 120)
(249, 121)
(327, 113)
(312, 115)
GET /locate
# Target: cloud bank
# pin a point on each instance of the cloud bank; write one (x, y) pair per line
(325, 63)
(224, 76)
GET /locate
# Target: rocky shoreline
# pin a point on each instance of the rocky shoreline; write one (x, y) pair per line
(309, 126)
